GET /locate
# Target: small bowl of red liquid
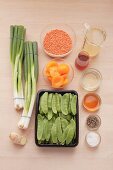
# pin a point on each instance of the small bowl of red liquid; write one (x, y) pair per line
(91, 102)
(82, 61)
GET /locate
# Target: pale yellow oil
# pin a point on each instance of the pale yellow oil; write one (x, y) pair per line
(93, 41)
(91, 49)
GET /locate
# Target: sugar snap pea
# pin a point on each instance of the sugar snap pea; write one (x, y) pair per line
(50, 114)
(50, 100)
(73, 125)
(44, 129)
(44, 103)
(59, 129)
(58, 98)
(54, 133)
(40, 110)
(71, 132)
(64, 123)
(40, 127)
(64, 103)
(70, 135)
(70, 98)
(50, 140)
(54, 104)
(67, 117)
(73, 104)
(48, 127)
(65, 134)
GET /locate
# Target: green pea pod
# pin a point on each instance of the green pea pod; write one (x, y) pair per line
(59, 129)
(64, 123)
(50, 100)
(64, 136)
(44, 129)
(54, 104)
(70, 98)
(40, 110)
(50, 140)
(71, 132)
(48, 127)
(67, 117)
(54, 134)
(44, 103)
(65, 103)
(58, 102)
(73, 104)
(50, 114)
(73, 125)
(60, 96)
(70, 135)
(40, 127)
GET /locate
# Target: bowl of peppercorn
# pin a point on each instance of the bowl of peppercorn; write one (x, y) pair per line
(93, 122)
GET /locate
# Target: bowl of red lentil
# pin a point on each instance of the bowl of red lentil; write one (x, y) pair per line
(58, 40)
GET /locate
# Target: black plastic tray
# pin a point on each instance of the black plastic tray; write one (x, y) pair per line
(76, 140)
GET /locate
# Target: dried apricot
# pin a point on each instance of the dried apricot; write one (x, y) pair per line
(63, 69)
(53, 71)
(51, 64)
(57, 81)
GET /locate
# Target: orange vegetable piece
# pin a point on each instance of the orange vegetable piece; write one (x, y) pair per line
(63, 69)
(57, 81)
(51, 64)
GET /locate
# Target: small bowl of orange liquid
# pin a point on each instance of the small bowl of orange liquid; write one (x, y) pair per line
(91, 102)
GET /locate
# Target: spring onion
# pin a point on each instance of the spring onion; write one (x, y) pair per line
(17, 36)
(30, 76)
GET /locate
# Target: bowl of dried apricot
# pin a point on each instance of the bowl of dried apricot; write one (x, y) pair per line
(58, 73)
(58, 40)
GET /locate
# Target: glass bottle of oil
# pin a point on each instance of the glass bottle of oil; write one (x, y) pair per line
(93, 41)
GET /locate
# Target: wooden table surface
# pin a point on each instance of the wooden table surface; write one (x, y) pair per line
(35, 15)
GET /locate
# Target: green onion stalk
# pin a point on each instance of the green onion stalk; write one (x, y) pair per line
(17, 37)
(30, 76)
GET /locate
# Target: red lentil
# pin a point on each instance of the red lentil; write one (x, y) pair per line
(57, 42)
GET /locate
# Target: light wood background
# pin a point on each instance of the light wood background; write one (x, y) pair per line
(35, 15)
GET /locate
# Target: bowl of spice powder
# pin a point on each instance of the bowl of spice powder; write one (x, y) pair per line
(58, 40)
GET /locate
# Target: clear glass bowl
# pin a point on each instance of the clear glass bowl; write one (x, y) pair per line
(70, 74)
(91, 79)
(63, 27)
